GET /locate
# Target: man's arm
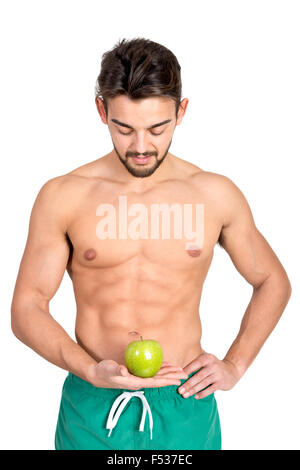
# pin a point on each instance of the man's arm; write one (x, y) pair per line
(41, 271)
(257, 263)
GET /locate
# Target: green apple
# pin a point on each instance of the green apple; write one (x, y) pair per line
(143, 358)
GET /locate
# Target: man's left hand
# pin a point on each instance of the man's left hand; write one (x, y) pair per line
(213, 374)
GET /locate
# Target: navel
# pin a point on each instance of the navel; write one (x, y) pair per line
(90, 254)
(193, 251)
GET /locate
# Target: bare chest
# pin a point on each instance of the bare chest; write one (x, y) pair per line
(173, 227)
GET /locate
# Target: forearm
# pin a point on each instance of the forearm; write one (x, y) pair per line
(37, 329)
(262, 314)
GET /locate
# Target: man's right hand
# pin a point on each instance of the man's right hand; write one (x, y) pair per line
(109, 374)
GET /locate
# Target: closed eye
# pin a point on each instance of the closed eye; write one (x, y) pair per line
(128, 133)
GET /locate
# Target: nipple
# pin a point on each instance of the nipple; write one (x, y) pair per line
(193, 250)
(90, 254)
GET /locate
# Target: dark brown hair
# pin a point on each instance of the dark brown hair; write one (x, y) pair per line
(139, 68)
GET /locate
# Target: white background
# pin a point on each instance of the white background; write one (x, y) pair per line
(240, 71)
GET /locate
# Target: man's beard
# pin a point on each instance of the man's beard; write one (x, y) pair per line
(141, 171)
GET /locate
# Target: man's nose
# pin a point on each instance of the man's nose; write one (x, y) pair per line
(141, 143)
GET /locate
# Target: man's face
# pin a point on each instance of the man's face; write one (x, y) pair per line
(141, 131)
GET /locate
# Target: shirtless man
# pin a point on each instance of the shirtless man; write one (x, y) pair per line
(149, 285)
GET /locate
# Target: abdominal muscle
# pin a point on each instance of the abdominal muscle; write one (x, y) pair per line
(106, 334)
(159, 304)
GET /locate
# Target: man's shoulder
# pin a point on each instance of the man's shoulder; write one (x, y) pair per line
(226, 196)
(215, 183)
(76, 180)
(208, 183)
(221, 191)
(62, 193)
(58, 187)
(60, 196)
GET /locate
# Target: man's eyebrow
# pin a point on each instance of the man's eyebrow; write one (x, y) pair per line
(130, 127)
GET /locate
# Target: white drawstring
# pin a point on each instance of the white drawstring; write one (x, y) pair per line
(112, 420)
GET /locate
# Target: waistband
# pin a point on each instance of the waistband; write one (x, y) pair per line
(156, 392)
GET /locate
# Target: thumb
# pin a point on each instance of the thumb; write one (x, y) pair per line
(123, 371)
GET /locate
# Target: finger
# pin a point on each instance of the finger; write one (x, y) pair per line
(206, 392)
(210, 380)
(196, 364)
(197, 378)
(180, 374)
(164, 366)
(172, 379)
(168, 364)
(123, 371)
(163, 382)
(133, 382)
(167, 372)
(139, 382)
(168, 369)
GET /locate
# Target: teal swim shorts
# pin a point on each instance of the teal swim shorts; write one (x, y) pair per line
(93, 418)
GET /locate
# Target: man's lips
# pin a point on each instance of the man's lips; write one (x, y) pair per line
(143, 159)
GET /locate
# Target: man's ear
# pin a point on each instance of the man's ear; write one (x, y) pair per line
(101, 109)
(181, 111)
